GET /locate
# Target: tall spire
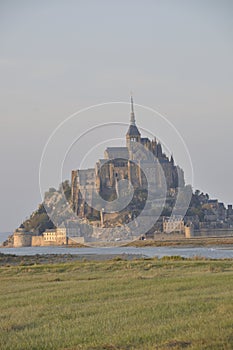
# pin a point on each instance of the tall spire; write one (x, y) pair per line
(132, 116)
(133, 134)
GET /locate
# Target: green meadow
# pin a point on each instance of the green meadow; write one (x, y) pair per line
(117, 304)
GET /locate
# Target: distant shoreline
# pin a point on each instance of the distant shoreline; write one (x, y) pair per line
(185, 242)
(201, 241)
(176, 243)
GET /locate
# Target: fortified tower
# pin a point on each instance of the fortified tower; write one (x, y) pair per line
(22, 238)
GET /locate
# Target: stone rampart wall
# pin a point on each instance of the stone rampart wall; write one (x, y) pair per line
(213, 232)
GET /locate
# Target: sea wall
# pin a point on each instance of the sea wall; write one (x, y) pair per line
(168, 236)
(75, 240)
(218, 232)
(37, 241)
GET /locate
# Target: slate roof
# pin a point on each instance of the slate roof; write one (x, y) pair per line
(117, 152)
(144, 140)
(133, 131)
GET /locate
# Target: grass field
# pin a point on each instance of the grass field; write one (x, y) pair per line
(141, 304)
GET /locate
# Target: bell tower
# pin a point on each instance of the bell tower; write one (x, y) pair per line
(133, 135)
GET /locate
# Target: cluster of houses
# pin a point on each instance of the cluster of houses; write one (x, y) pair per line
(216, 215)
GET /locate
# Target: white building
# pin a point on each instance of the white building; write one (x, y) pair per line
(57, 235)
(173, 224)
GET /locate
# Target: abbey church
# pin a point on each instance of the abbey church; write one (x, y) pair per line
(124, 163)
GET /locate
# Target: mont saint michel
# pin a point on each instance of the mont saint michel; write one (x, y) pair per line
(133, 192)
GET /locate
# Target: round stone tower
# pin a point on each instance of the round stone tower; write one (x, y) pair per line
(22, 238)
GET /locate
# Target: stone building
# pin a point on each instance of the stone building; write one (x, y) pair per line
(56, 236)
(230, 213)
(123, 163)
(173, 224)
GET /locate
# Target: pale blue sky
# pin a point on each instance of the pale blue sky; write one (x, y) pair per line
(59, 56)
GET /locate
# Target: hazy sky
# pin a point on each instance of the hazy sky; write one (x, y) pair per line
(57, 57)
